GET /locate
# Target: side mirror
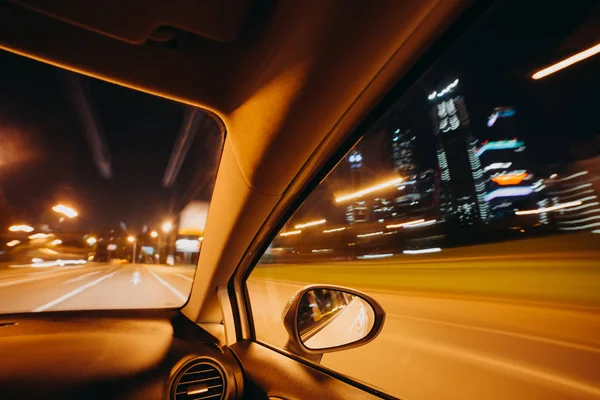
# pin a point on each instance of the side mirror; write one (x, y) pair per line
(322, 318)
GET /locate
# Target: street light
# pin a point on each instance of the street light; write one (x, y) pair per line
(131, 239)
(20, 228)
(65, 210)
(91, 241)
(167, 226)
(154, 234)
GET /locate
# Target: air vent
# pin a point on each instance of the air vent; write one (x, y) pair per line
(199, 380)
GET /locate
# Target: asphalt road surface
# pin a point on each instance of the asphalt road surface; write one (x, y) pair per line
(432, 346)
(93, 286)
(448, 347)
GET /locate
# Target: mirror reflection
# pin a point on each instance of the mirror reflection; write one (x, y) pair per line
(330, 318)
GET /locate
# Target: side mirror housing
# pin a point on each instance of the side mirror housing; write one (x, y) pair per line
(324, 318)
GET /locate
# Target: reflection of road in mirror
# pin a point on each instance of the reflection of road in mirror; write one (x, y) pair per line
(350, 323)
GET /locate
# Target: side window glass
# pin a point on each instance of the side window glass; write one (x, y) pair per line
(470, 212)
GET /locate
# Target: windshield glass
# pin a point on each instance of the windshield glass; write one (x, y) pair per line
(104, 192)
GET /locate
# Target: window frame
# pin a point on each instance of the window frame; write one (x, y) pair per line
(237, 288)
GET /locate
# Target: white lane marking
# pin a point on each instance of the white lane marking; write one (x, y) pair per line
(187, 278)
(136, 278)
(525, 336)
(73, 293)
(168, 286)
(482, 360)
(79, 278)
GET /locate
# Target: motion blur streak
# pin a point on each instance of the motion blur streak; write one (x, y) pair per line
(553, 208)
(334, 230)
(13, 243)
(369, 234)
(567, 178)
(423, 251)
(67, 211)
(368, 190)
(289, 233)
(405, 223)
(311, 223)
(567, 62)
(20, 228)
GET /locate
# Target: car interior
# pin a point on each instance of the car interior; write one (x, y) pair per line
(295, 84)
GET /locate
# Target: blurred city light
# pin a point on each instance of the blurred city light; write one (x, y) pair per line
(187, 245)
(49, 251)
(417, 221)
(154, 234)
(201, 238)
(546, 209)
(65, 210)
(91, 241)
(418, 224)
(20, 228)
(499, 145)
(553, 176)
(167, 226)
(374, 256)
(422, 251)
(56, 242)
(368, 190)
(37, 260)
(321, 251)
(13, 243)
(369, 234)
(578, 174)
(131, 239)
(38, 236)
(288, 233)
(567, 62)
(511, 178)
(311, 223)
(497, 165)
(334, 230)
(509, 192)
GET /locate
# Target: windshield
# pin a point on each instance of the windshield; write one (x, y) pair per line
(104, 192)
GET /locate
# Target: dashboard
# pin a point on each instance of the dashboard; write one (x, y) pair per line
(114, 355)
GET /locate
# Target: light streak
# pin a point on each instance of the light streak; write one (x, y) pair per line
(546, 209)
(509, 192)
(567, 62)
(423, 251)
(510, 178)
(405, 223)
(572, 176)
(419, 224)
(311, 223)
(368, 190)
(374, 256)
(289, 233)
(497, 165)
(13, 243)
(334, 230)
(369, 234)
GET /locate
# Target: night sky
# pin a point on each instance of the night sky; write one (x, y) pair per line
(46, 118)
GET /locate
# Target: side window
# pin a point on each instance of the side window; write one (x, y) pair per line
(470, 212)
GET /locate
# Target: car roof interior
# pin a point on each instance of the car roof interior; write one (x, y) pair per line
(290, 80)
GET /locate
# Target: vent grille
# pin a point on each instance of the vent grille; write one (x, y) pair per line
(199, 380)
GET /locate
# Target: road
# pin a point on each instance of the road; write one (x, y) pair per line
(433, 345)
(93, 286)
(449, 347)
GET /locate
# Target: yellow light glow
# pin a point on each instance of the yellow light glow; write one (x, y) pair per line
(311, 223)
(49, 251)
(334, 230)
(201, 238)
(20, 228)
(91, 241)
(154, 234)
(417, 221)
(567, 62)
(38, 236)
(547, 209)
(65, 210)
(130, 239)
(56, 242)
(289, 233)
(167, 226)
(13, 243)
(368, 190)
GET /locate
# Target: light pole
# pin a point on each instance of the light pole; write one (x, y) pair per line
(131, 239)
